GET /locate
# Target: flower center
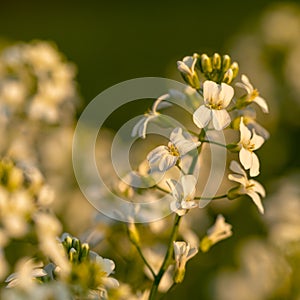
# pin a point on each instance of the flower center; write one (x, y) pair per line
(248, 145)
(173, 150)
(214, 104)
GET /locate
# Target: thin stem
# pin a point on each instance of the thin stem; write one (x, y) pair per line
(167, 258)
(211, 198)
(193, 133)
(180, 169)
(139, 250)
(213, 142)
(162, 189)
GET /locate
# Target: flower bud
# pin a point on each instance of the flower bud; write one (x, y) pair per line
(67, 243)
(226, 62)
(85, 249)
(206, 66)
(76, 244)
(73, 255)
(133, 233)
(228, 76)
(216, 61)
(235, 69)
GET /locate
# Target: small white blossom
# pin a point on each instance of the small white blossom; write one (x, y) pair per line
(249, 142)
(183, 252)
(247, 186)
(216, 99)
(253, 93)
(219, 231)
(25, 277)
(183, 193)
(187, 65)
(140, 127)
(163, 158)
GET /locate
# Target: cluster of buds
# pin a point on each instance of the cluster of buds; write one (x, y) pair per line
(216, 68)
(77, 252)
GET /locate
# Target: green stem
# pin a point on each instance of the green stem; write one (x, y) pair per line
(213, 142)
(167, 258)
(139, 250)
(180, 169)
(212, 198)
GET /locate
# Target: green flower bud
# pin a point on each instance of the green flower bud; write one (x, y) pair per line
(76, 244)
(226, 62)
(235, 69)
(84, 253)
(73, 255)
(228, 76)
(67, 243)
(133, 233)
(216, 61)
(206, 66)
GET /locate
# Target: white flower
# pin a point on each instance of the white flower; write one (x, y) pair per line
(219, 231)
(216, 99)
(183, 252)
(248, 143)
(140, 127)
(187, 69)
(183, 193)
(27, 272)
(248, 187)
(253, 93)
(165, 157)
(107, 266)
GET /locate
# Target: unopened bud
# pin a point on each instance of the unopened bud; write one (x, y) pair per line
(85, 249)
(133, 233)
(67, 243)
(76, 244)
(73, 255)
(235, 69)
(216, 61)
(206, 66)
(228, 76)
(226, 62)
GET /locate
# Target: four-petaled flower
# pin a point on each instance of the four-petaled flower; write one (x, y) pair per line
(140, 127)
(247, 186)
(218, 232)
(253, 94)
(187, 69)
(163, 158)
(248, 143)
(216, 98)
(182, 253)
(183, 193)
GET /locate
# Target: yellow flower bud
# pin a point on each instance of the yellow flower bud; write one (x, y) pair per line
(216, 61)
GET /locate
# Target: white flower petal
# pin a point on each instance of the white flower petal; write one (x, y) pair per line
(257, 201)
(202, 116)
(254, 169)
(257, 140)
(221, 119)
(262, 103)
(245, 158)
(257, 187)
(245, 133)
(236, 168)
(188, 183)
(210, 90)
(238, 178)
(226, 94)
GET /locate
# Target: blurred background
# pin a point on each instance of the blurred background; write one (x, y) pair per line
(110, 42)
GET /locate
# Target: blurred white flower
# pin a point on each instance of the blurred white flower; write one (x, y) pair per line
(183, 252)
(165, 157)
(216, 99)
(183, 193)
(249, 142)
(248, 187)
(140, 127)
(253, 94)
(25, 277)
